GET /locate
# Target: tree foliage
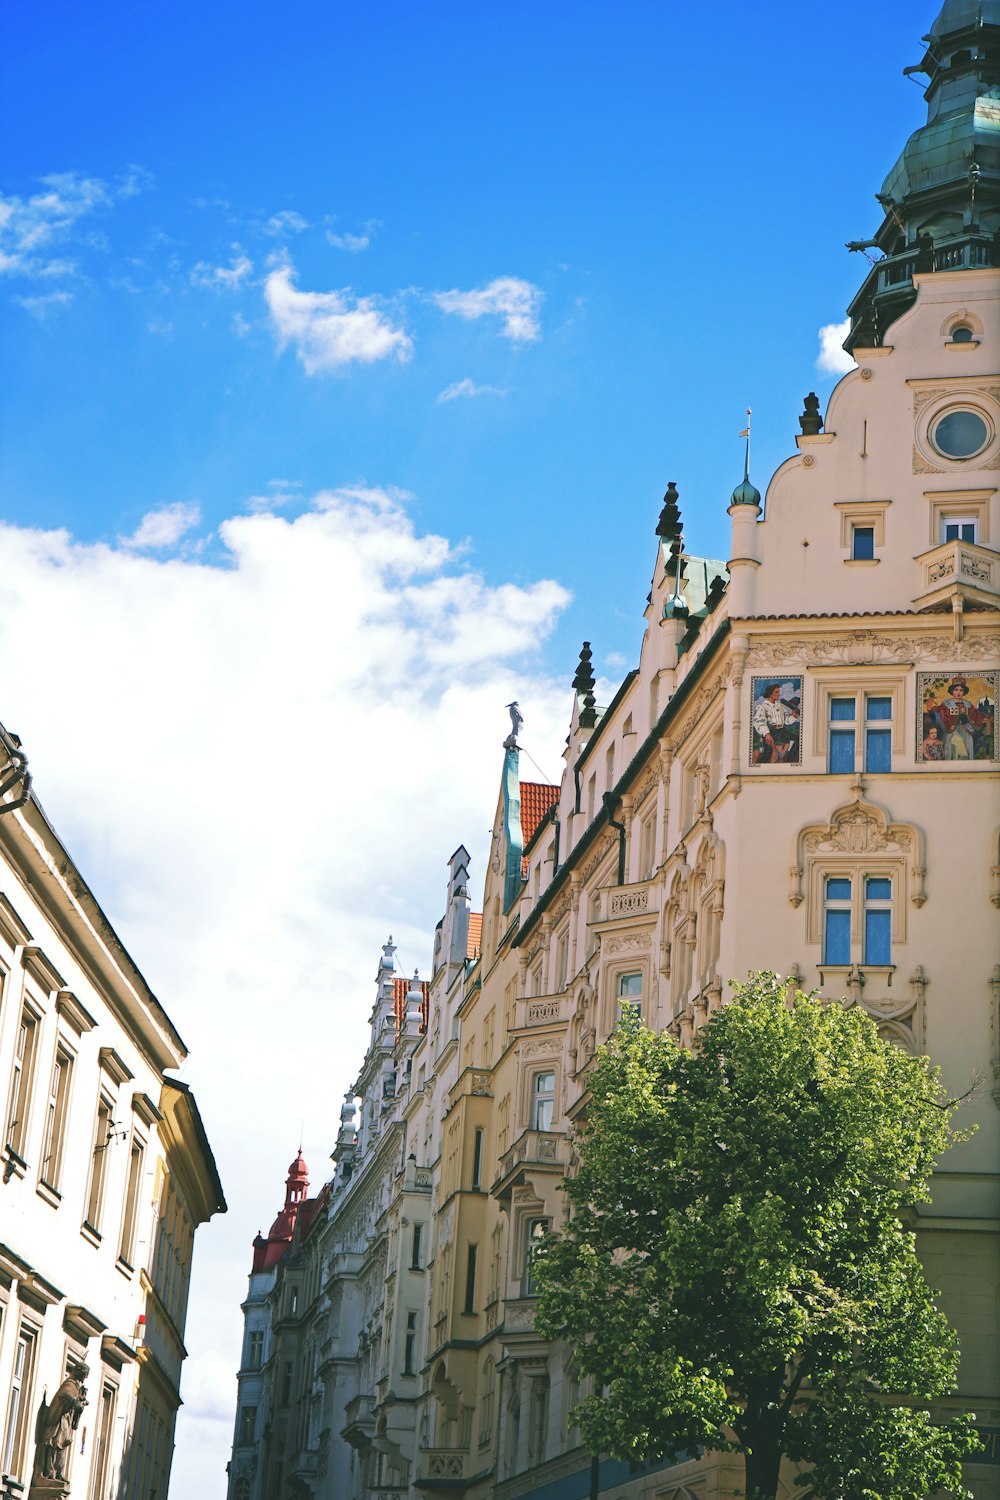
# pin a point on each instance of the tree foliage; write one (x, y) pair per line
(738, 1272)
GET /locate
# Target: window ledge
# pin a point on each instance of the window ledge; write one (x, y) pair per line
(90, 1233)
(49, 1194)
(861, 562)
(125, 1267)
(962, 343)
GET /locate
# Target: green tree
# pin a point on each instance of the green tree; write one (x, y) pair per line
(737, 1272)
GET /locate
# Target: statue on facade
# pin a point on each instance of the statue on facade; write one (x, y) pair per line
(57, 1424)
(516, 720)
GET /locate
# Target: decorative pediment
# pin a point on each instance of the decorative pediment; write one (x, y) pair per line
(858, 830)
(858, 827)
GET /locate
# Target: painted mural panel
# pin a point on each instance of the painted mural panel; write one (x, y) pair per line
(776, 721)
(957, 716)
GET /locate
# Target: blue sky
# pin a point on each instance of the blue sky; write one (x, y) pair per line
(679, 194)
(347, 352)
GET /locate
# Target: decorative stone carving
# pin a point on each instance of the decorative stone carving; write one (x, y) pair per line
(57, 1424)
(540, 1011)
(862, 647)
(626, 942)
(544, 1047)
(623, 903)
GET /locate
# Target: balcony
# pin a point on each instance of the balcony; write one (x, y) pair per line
(620, 902)
(963, 569)
(359, 1424)
(537, 1151)
(442, 1468)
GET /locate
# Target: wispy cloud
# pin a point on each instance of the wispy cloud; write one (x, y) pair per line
(330, 330)
(350, 242)
(160, 529)
(287, 221)
(517, 302)
(31, 227)
(222, 278)
(832, 359)
(43, 304)
(133, 181)
(462, 389)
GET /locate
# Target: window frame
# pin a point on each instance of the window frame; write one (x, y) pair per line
(859, 682)
(97, 1176)
(539, 1098)
(22, 1080)
(57, 1117)
(17, 1418)
(859, 869)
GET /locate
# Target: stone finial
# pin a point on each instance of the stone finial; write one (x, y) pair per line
(669, 525)
(716, 589)
(811, 421)
(584, 682)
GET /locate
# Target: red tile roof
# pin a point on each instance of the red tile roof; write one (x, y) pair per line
(536, 799)
(400, 987)
(475, 934)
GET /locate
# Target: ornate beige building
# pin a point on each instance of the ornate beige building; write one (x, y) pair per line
(800, 774)
(105, 1174)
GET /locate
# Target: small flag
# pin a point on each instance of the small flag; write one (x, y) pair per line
(745, 432)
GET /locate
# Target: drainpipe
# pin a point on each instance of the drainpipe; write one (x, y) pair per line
(610, 800)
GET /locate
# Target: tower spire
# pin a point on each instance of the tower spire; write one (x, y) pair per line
(940, 202)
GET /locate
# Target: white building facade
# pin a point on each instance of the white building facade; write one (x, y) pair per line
(105, 1173)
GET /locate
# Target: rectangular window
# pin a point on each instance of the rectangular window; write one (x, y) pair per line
(878, 734)
(477, 1156)
(255, 1349)
(248, 1424)
(543, 1100)
(534, 1230)
(20, 1084)
(409, 1343)
(957, 529)
(841, 756)
(103, 1445)
(99, 1163)
(647, 847)
(876, 730)
(55, 1119)
(416, 1264)
(630, 992)
(470, 1279)
(19, 1403)
(609, 768)
(562, 961)
(837, 921)
(878, 921)
(130, 1216)
(862, 543)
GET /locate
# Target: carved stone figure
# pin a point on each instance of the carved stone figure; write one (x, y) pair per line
(57, 1423)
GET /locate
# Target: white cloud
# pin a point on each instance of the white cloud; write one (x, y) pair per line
(163, 528)
(285, 222)
(327, 329)
(222, 278)
(42, 304)
(133, 181)
(30, 227)
(517, 302)
(832, 359)
(299, 738)
(468, 388)
(350, 242)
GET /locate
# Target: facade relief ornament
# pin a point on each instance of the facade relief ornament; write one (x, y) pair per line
(627, 942)
(859, 828)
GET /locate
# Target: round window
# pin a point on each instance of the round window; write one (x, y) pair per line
(960, 434)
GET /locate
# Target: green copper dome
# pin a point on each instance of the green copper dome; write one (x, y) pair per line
(745, 493)
(941, 201)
